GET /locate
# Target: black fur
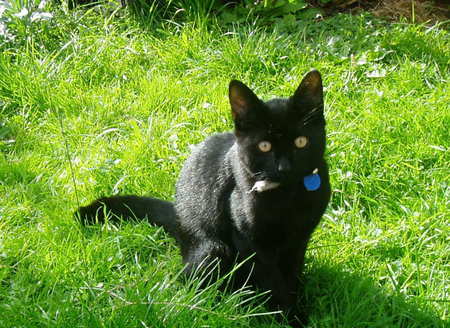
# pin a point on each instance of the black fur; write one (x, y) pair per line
(216, 217)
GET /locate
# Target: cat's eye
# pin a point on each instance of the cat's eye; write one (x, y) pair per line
(265, 146)
(301, 141)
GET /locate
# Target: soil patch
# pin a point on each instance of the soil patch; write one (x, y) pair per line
(412, 11)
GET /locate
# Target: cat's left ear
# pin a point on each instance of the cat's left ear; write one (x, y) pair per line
(309, 94)
(242, 100)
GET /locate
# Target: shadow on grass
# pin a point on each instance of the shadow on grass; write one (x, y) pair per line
(333, 298)
(341, 299)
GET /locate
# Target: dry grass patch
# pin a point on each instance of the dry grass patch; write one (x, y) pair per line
(414, 11)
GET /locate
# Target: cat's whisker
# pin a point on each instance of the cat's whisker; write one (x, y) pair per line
(258, 174)
(314, 110)
(312, 113)
(315, 114)
(309, 121)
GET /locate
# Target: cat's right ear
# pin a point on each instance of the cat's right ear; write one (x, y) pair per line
(242, 100)
(309, 94)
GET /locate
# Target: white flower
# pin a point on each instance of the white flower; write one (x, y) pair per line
(4, 31)
(3, 6)
(22, 13)
(377, 73)
(42, 4)
(37, 16)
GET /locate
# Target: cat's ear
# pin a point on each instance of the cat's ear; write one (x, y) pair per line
(309, 94)
(242, 100)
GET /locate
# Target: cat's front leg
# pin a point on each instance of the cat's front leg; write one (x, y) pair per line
(206, 258)
(268, 276)
(291, 263)
(279, 274)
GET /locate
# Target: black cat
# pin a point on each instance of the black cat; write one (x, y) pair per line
(259, 191)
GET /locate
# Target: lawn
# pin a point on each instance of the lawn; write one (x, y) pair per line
(96, 103)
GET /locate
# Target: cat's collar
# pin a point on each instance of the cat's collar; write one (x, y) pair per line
(312, 182)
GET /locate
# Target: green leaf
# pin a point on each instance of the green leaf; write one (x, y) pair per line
(293, 7)
(228, 17)
(308, 14)
(279, 3)
(288, 8)
(287, 23)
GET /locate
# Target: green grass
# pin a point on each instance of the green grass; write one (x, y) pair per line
(125, 101)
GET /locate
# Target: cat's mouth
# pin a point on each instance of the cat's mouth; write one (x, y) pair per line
(269, 180)
(264, 185)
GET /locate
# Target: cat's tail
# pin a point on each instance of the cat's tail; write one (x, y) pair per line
(156, 211)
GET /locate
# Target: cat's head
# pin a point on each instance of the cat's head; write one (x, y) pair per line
(283, 139)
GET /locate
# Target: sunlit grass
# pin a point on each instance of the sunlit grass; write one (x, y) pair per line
(123, 105)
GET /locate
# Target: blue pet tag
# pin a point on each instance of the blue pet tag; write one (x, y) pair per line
(312, 182)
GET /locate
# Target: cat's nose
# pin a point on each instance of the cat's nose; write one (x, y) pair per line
(284, 165)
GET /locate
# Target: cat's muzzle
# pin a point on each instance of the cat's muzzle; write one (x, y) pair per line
(264, 185)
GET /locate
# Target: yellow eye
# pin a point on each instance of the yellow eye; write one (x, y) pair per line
(264, 146)
(301, 142)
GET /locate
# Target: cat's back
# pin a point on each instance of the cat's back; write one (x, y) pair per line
(207, 156)
(204, 170)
